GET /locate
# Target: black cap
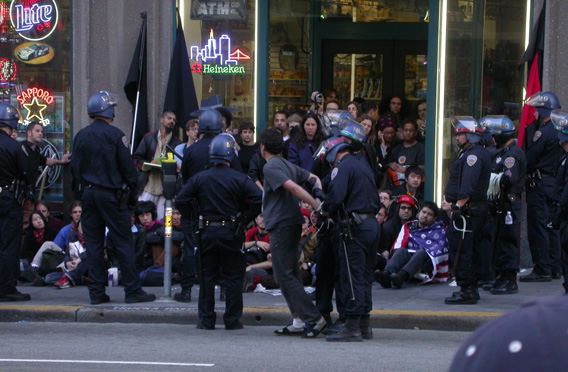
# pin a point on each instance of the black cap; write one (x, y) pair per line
(532, 338)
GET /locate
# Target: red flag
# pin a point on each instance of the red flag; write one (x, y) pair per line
(534, 57)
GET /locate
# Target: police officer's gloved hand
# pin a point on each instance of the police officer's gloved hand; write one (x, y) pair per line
(132, 200)
(457, 212)
(556, 222)
(318, 193)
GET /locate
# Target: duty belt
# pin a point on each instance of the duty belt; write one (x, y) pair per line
(360, 217)
(218, 223)
(476, 204)
(97, 187)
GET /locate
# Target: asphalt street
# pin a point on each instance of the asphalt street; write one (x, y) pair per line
(76, 347)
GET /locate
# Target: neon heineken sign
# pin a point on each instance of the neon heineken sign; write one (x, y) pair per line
(217, 57)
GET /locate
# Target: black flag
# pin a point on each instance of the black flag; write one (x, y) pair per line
(135, 88)
(180, 94)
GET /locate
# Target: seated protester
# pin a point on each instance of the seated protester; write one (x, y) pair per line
(139, 237)
(306, 142)
(38, 233)
(382, 215)
(52, 222)
(75, 268)
(156, 238)
(409, 152)
(146, 217)
(413, 184)
(421, 246)
(385, 197)
(404, 212)
(49, 257)
(257, 242)
(261, 272)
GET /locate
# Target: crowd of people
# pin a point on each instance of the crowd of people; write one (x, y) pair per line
(342, 197)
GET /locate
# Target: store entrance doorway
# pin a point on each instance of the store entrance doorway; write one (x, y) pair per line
(373, 69)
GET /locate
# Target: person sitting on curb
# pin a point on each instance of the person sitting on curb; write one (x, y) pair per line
(421, 246)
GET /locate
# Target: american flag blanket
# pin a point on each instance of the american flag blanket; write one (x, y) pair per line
(433, 240)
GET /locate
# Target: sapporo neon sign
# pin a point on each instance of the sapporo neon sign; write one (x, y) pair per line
(30, 100)
(34, 20)
(217, 57)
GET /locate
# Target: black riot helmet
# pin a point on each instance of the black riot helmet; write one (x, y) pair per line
(222, 148)
(210, 122)
(9, 116)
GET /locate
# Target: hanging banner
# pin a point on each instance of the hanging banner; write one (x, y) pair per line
(235, 10)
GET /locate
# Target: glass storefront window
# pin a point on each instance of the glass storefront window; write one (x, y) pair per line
(415, 76)
(289, 56)
(484, 41)
(222, 45)
(374, 10)
(358, 75)
(35, 60)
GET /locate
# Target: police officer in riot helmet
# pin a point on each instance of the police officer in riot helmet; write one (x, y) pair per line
(105, 175)
(195, 160)
(353, 202)
(543, 154)
(354, 134)
(221, 193)
(13, 166)
(467, 191)
(560, 215)
(508, 174)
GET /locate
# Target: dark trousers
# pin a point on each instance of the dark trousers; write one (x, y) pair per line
(564, 246)
(412, 263)
(221, 253)
(360, 254)
(10, 238)
(544, 242)
(507, 249)
(284, 243)
(100, 209)
(327, 271)
(188, 265)
(485, 271)
(470, 254)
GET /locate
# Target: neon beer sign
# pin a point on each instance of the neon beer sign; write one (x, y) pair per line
(34, 20)
(217, 57)
(30, 100)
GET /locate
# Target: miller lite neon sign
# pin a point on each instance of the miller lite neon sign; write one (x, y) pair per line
(226, 61)
(34, 20)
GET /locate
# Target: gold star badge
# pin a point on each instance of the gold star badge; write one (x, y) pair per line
(35, 107)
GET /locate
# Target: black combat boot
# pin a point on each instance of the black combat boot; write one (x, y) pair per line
(183, 296)
(508, 285)
(351, 331)
(466, 296)
(365, 326)
(383, 278)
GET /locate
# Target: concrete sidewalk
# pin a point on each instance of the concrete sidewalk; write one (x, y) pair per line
(413, 306)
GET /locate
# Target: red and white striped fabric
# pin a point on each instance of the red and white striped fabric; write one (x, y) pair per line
(433, 240)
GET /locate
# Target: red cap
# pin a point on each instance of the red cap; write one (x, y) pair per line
(407, 199)
(306, 213)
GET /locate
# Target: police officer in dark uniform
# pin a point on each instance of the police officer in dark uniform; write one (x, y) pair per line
(560, 218)
(221, 193)
(195, 160)
(353, 202)
(543, 154)
(103, 168)
(508, 174)
(13, 167)
(467, 190)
